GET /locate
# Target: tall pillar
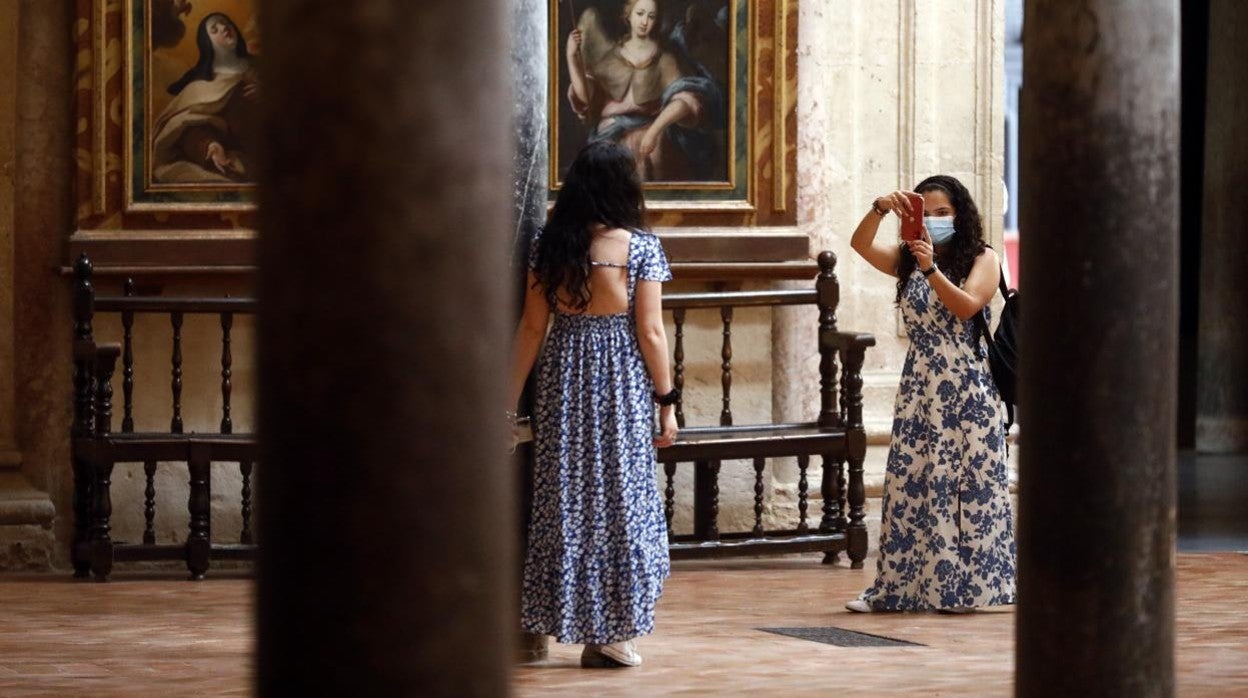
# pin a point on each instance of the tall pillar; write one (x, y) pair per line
(386, 512)
(1222, 364)
(1099, 166)
(10, 458)
(35, 213)
(530, 182)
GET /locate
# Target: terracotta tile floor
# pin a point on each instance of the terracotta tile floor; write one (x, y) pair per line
(163, 637)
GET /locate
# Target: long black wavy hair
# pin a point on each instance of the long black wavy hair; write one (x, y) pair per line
(958, 255)
(601, 186)
(202, 70)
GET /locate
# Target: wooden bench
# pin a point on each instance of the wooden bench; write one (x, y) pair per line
(97, 448)
(837, 436)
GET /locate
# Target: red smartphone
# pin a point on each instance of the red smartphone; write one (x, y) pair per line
(912, 222)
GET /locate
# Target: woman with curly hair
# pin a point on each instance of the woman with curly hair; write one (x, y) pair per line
(597, 548)
(946, 537)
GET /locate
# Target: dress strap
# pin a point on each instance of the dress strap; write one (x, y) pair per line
(613, 265)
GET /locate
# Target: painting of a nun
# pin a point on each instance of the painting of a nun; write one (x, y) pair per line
(204, 135)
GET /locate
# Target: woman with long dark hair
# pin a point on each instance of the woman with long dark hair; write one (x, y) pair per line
(597, 549)
(946, 537)
(205, 134)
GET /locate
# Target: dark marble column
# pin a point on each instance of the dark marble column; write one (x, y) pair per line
(1099, 214)
(530, 177)
(386, 507)
(1222, 366)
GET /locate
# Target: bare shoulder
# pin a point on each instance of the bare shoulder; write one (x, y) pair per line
(988, 256)
(618, 234)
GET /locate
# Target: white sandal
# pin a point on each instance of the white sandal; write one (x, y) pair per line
(859, 606)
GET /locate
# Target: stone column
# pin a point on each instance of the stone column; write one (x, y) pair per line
(1222, 366)
(1099, 183)
(35, 213)
(386, 512)
(530, 181)
(9, 456)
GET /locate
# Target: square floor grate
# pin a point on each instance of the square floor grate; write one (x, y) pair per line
(841, 637)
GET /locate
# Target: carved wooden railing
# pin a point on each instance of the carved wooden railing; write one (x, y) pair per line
(837, 436)
(97, 448)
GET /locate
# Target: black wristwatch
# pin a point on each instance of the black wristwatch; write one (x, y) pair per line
(875, 206)
(929, 271)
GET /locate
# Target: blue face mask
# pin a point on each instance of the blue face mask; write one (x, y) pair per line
(939, 228)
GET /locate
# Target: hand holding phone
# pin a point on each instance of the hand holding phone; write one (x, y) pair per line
(912, 222)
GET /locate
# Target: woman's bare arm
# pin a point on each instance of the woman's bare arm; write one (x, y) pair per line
(528, 340)
(651, 336)
(978, 290)
(880, 255)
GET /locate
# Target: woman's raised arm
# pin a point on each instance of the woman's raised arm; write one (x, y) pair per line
(880, 255)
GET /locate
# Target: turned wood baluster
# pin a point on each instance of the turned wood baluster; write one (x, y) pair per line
(759, 464)
(725, 416)
(175, 424)
(669, 496)
(246, 537)
(84, 348)
(102, 512)
(829, 489)
(149, 503)
(102, 507)
(842, 519)
(856, 449)
(828, 295)
(199, 503)
(127, 363)
(706, 500)
(828, 492)
(803, 462)
(678, 316)
(105, 364)
(84, 415)
(227, 360)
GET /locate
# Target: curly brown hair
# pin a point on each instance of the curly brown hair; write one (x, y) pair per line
(968, 242)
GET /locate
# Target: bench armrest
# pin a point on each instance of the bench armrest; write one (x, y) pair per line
(846, 341)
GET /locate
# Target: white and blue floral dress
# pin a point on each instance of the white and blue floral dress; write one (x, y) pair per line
(947, 534)
(597, 552)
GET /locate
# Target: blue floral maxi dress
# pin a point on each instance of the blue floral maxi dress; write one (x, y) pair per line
(947, 537)
(597, 550)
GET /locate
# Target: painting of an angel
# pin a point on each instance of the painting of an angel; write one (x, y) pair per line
(204, 133)
(649, 74)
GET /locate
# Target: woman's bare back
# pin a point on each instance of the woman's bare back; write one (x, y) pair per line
(608, 274)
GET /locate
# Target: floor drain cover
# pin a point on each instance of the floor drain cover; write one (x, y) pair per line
(840, 637)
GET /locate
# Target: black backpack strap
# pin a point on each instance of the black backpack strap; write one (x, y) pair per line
(982, 322)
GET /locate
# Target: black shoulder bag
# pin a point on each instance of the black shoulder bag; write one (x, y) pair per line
(1003, 349)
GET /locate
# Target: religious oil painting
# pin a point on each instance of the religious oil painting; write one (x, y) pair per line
(666, 78)
(194, 106)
